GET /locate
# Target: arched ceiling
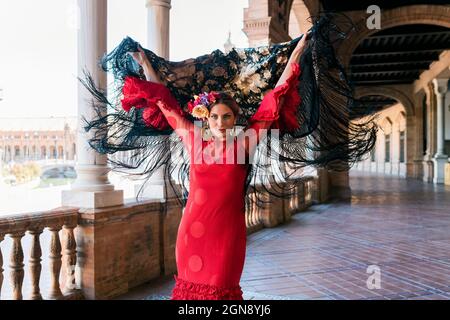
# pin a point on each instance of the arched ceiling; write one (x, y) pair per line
(397, 55)
(340, 5)
(370, 104)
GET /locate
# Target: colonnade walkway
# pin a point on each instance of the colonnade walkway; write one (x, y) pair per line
(391, 241)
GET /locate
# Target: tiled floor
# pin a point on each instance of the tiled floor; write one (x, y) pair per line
(400, 226)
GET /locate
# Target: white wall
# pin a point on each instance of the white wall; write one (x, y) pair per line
(391, 121)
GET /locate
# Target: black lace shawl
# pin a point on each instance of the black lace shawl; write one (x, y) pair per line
(326, 137)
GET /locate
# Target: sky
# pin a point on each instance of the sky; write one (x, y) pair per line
(38, 48)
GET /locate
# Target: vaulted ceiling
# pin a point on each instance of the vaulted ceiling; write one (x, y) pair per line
(370, 104)
(392, 56)
(341, 5)
(397, 55)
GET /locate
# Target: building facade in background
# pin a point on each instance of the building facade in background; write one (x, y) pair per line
(34, 139)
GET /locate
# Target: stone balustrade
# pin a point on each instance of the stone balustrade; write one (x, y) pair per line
(62, 253)
(277, 211)
(105, 252)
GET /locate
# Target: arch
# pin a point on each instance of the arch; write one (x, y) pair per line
(313, 6)
(267, 20)
(401, 116)
(52, 152)
(387, 120)
(414, 14)
(43, 151)
(74, 150)
(386, 126)
(298, 16)
(60, 152)
(16, 151)
(387, 91)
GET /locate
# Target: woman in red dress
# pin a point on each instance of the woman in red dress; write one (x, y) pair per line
(211, 239)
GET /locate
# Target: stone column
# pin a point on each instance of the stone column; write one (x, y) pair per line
(92, 188)
(427, 158)
(440, 158)
(339, 185)
(322, 185)
(417, 165)
(158, 24)
(411, 145)
(339, 180)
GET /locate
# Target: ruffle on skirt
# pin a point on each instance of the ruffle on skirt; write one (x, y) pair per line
(187, 290)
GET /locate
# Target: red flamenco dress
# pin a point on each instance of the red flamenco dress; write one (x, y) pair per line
(211, 239)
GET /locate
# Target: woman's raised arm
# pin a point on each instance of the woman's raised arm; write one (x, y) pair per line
(269, 109)
(164, 99)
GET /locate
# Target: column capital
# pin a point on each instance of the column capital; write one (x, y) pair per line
(440, 85)
(161, 3)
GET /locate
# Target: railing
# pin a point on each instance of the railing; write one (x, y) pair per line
(305, 192)
(104, 270)
(61, 253)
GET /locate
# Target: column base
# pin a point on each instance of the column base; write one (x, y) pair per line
(447, 174)
(339, 186)
(427, 168)
(323, 192)
(157, 191)
(150, 191)
(439, 161)
(341, 193)
(92, 199)
(417, 169)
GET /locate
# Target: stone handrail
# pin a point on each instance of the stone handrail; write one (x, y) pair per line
(280, 210)
(60, 254)
(118, 247)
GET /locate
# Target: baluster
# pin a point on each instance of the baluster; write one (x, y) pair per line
(35, 264)
(255, 211)
(70, 255)
(295, 198)
(249, 215)
(16, 265)
(1, 265)
(55, 263)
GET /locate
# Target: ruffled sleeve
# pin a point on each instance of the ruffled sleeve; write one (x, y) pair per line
(283, 117)
(144, 94)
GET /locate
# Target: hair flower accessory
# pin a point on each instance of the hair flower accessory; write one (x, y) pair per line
(199, 108)
(200, 111)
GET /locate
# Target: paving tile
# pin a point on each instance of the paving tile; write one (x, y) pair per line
(400, 226)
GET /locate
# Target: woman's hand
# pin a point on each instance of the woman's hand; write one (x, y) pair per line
(142, 60)
(301, 45)
(139, 56)
(294, 58)
(300, 48)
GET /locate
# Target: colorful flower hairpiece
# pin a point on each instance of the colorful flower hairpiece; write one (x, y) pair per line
(199, 108)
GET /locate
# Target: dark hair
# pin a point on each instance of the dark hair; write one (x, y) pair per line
(227, 100)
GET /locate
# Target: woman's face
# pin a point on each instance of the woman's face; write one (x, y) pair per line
(221, 118)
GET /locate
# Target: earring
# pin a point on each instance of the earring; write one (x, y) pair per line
(206, 133)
